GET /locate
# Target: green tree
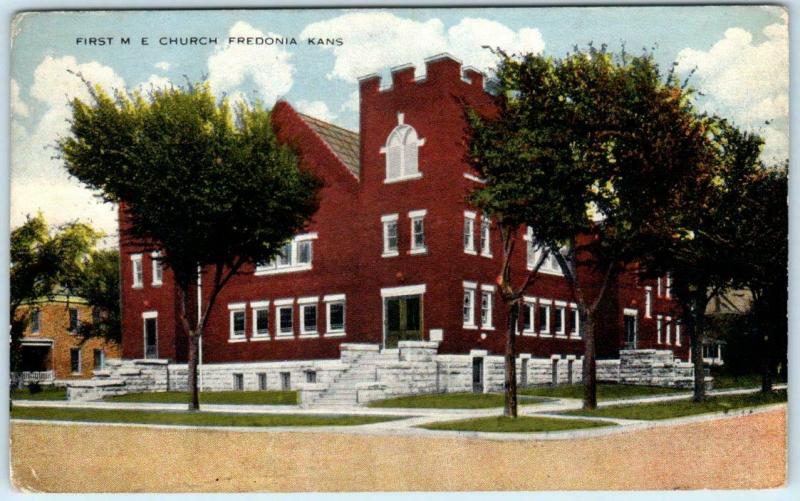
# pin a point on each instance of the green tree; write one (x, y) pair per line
(589, 152)
(42, 262)
(99, 285)
(208, 185)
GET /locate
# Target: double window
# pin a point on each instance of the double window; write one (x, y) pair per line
(295, 255)
(402, 153)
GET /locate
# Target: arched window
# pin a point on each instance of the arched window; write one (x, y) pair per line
(402, 160)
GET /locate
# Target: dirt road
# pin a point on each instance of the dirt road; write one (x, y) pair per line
(738, 452)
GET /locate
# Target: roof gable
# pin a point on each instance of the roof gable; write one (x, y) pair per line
(342, 142)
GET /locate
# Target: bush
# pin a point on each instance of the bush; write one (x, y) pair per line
(34, 388)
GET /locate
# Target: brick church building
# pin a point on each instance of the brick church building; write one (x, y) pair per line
(393, 256)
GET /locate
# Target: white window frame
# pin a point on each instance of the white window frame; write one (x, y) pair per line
(529, 303)
(329, 301)
(659, 290)
(408, 133)
(414, 216)
(549, 267)
(677, 332)
(668, 286)
(561, 311)
(157, 269)
(486, 236)
(388, 220)
(255, 307)
(470, 288)
(305, 303)
(648, 302)
(659, 323)
(102, 358)
(294, 266)
(487, 320)
(233, 309)
(668, 329)
(548, 305)
(283, 304)
(576, 321)
(469, 232)
(137, 270)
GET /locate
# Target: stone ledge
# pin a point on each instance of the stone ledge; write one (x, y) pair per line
(151, 361)
(359, 347)
(418, 344)
(130, 372)
(92, 383)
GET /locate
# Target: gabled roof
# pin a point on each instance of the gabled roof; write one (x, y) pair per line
(343, 142)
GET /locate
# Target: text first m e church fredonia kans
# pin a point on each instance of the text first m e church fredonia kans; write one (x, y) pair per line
(395, 269)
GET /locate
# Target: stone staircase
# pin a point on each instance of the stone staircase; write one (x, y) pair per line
(362, 362)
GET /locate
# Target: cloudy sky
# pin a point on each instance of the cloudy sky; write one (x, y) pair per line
(739, 54)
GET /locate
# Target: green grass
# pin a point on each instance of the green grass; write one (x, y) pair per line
(45, 394)
(604, 391)
(679, 408)
(450, 401)
(189, 418)
(212, 397)
(524, 424)
(725, 381)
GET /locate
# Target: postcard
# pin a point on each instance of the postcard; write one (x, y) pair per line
(398, 250)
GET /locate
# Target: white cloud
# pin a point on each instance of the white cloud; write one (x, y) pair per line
(747, 81)
(18, 106)
(353, 102)
(162, 65)
(377, 40)
(40, 182)
(155, 82)
(268, 66)
(317, 109)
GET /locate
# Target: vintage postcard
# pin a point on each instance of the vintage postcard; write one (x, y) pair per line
(370, 250)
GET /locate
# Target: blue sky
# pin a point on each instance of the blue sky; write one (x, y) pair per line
(740, 54)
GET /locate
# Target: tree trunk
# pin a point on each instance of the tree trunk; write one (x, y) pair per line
(589, 364)
(511, 363)
(194, 403)
(699, 393)
(766, 360)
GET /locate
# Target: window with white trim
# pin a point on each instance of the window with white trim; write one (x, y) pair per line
(283, 314)
(659, 321)
(308, 316)
(469, 305)
(390, 239)
(469, 232)
(544, 318)
(137, 270)
(486, 309)
(528, 316)
(677, 332)
(237, 321)
(417, 231)
(559, 320)
(295, 255)
(99, 359)
(648, 302)
(260, 322)
(238, 381)
(402, 153)
(534, 254)
(668, 285)
(75, 360)
(659, 291)
(486, 236)
(576, 320)
(668, 324)
(335, 314)
(36, 321)
(157, 269)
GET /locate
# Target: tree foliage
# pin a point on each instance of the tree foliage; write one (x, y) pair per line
(206, 182)
(100, 287)
(595, 146)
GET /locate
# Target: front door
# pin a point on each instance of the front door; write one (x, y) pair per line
(630, 332)
(477, 374)
(150, 338)
(403, 319)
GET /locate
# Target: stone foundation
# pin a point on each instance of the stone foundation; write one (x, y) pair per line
(364, 373)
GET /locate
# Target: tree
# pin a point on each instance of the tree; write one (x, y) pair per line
(99, 285)
(208, 185)
(588, 151)
(43, 261)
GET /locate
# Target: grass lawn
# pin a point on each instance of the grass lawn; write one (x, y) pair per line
(450, 401)
(45, 394)
(189, 418)
(502, 424)
(212, 397)
(725, 381)
(678, 408)
(605, 391)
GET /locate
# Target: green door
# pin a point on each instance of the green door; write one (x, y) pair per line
(403, 319)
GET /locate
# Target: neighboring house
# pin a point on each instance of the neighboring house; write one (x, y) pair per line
(51, 350)
(734, 302)
(394, 252)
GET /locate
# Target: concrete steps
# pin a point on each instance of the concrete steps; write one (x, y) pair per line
(343, 391)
